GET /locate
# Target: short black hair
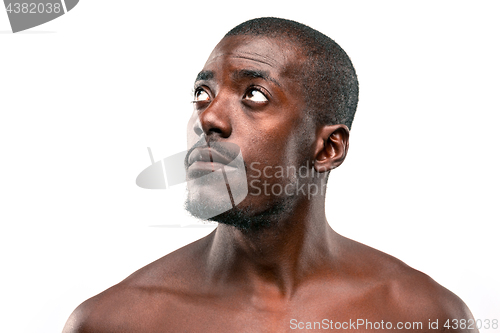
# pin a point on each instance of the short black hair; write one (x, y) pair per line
(329, 80)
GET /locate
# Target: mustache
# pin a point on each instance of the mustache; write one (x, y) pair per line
(227, 150)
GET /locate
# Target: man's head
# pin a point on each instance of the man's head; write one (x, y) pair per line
(283, 93)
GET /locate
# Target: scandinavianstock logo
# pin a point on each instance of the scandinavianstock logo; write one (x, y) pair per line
(27, 14)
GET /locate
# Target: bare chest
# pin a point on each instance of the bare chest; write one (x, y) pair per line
(311, 313)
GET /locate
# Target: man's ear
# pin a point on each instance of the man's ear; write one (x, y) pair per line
(332, 143)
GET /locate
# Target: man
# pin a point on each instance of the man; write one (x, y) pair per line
(282, 96)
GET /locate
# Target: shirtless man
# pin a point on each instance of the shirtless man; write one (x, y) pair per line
(284, 94)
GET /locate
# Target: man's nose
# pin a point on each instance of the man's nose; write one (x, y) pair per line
(215, 120)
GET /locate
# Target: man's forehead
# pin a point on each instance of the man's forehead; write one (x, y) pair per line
(260, 58)
(261, 50)
(254, 52)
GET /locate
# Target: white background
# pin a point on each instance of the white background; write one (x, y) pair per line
(82, 97)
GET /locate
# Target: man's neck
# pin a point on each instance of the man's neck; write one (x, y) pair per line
(276, 258)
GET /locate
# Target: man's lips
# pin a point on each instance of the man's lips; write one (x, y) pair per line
(206, 157)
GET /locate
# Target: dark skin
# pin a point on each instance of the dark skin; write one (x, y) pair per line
(299, 268)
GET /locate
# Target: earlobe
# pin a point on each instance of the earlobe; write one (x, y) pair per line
(331, 147)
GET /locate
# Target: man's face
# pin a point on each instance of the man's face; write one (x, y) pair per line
(249, 95)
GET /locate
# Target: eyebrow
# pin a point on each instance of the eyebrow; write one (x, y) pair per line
(252, 73)
(242, 74)
(204, 76)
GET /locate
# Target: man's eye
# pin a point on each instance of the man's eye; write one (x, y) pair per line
(255, 95)
(201, 96)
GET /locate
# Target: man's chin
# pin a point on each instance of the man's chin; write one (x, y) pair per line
(208, 196)
(244, 218)
(207, 209)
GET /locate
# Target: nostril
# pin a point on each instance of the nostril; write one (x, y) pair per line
(216, 130)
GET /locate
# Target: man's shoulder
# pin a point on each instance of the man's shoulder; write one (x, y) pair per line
(419, 294)
(97, 314)
(159, 286)
(419, 298)
(405, 291)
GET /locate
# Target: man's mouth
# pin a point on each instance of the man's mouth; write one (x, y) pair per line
(206, 160)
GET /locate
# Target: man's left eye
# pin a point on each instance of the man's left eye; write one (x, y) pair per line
(255, 95)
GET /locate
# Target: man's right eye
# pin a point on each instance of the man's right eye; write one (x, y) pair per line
(201, 95)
